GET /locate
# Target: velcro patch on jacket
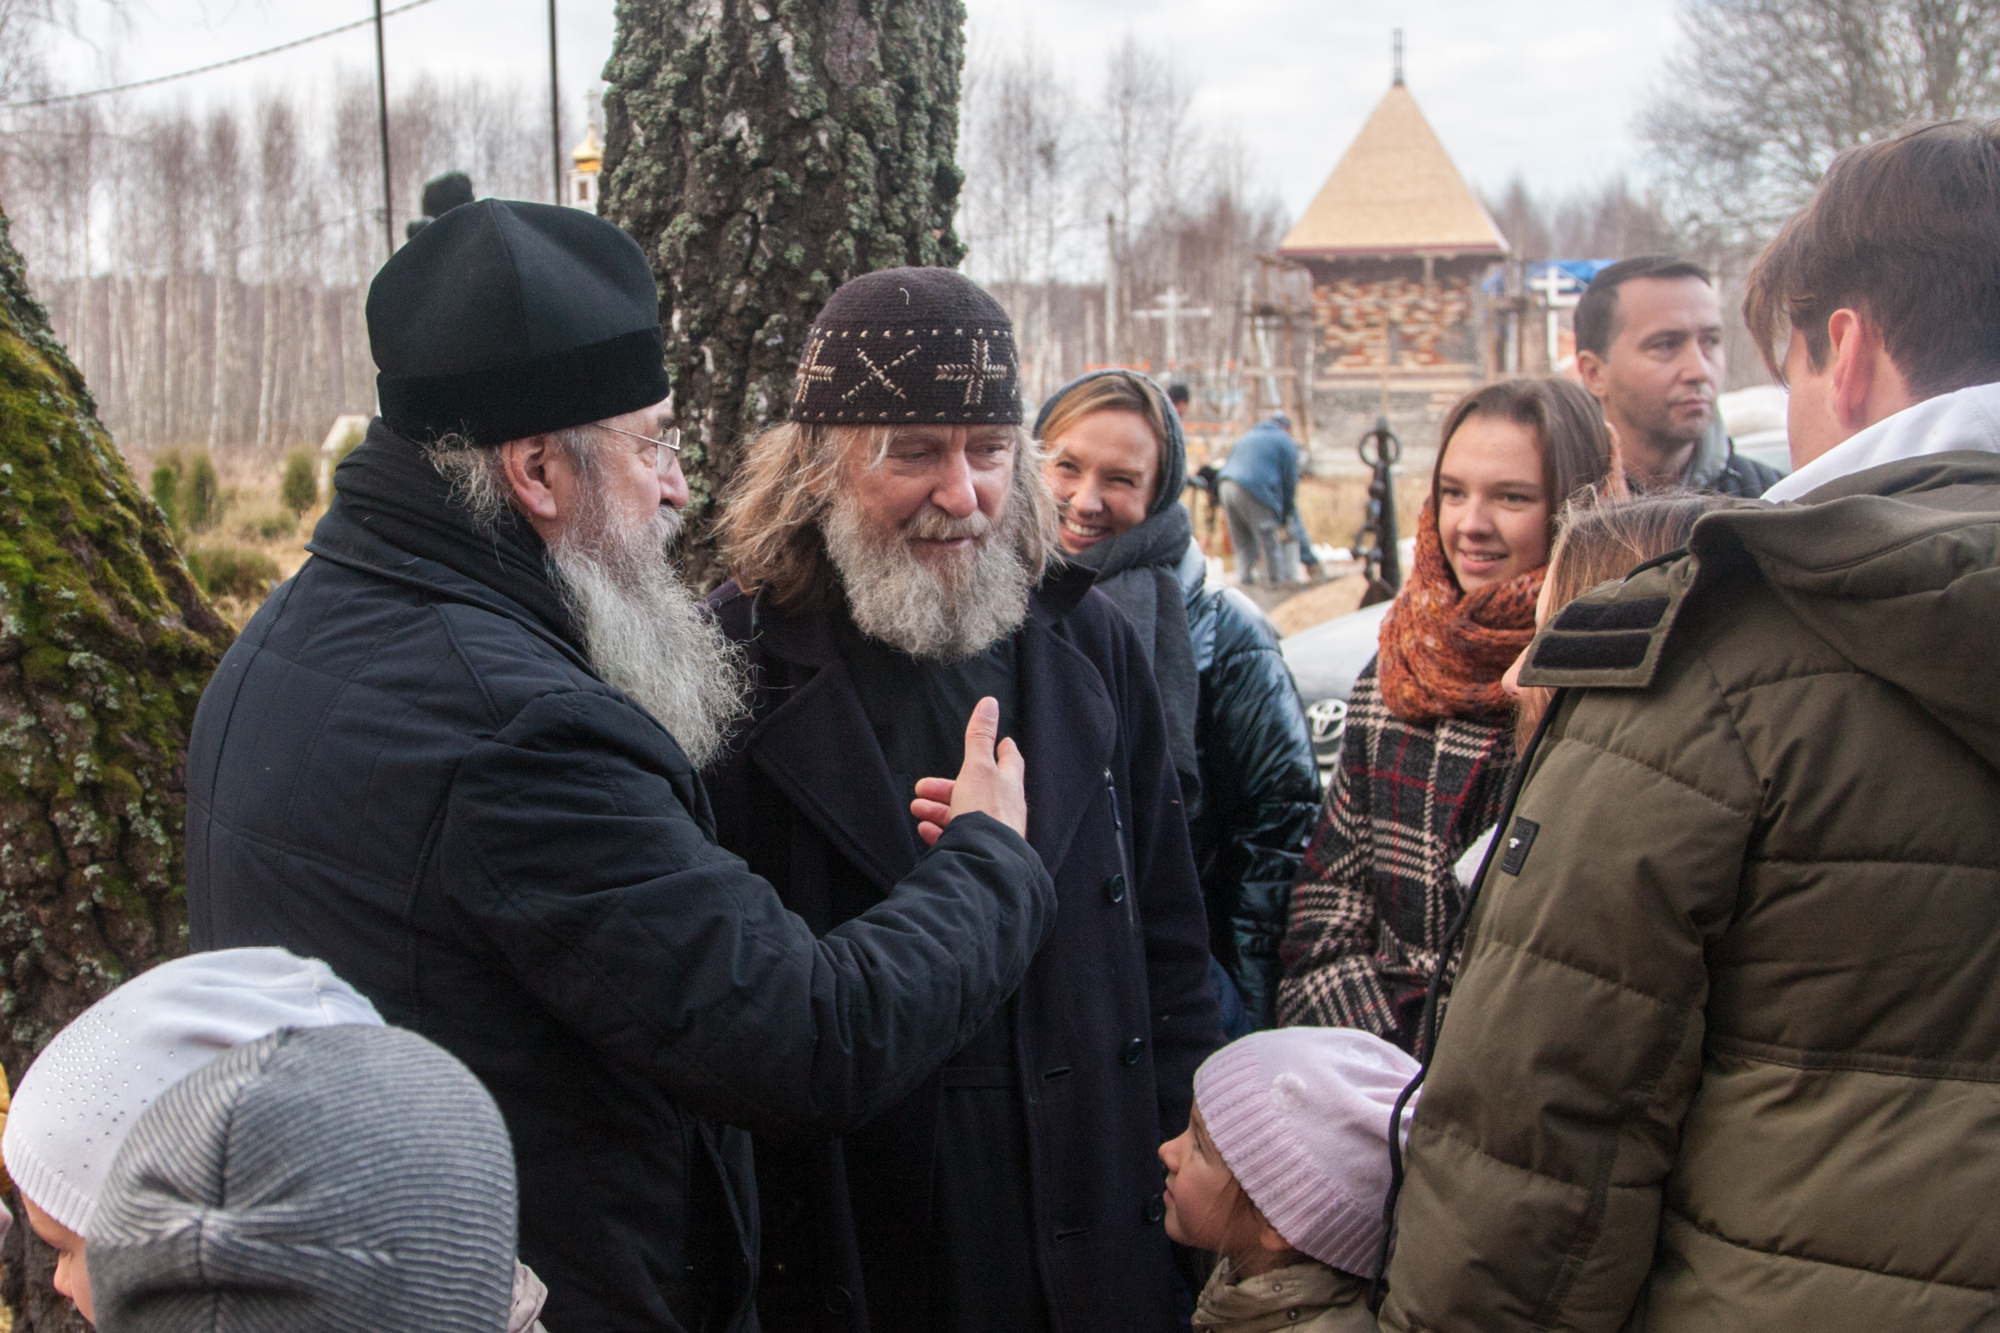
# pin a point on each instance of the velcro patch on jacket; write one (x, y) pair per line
(1591, 652)
(1642, 614)
(1612, 635)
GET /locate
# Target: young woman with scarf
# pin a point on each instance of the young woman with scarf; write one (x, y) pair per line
(1429, 746)
(1117, 463)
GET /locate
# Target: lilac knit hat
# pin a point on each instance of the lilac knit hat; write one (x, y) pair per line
(1301, 1118)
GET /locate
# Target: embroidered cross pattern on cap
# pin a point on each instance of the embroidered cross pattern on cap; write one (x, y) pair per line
(976, 372)
(811, 372)
(880, 374)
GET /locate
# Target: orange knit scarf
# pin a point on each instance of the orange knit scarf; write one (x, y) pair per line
(1444, 651)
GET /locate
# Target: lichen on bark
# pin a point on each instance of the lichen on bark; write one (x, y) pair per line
(763, 153)
(105, 646)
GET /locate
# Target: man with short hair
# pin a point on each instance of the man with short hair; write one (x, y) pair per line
(1724, 1053)
(455, 757)
(894, 553)
(1649, 346)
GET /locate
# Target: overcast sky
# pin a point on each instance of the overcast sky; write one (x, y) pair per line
(1547, 89)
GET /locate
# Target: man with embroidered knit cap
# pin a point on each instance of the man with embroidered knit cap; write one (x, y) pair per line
(894, 559)
(456, 757)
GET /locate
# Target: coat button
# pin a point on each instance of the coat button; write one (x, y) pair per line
(1156, 1209)
(1114, 888)
(1129, 1053)
(839, 1300)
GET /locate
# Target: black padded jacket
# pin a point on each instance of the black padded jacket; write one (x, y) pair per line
(1259, 787)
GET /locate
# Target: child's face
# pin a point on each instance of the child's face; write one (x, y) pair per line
(72, 1277)
(1200, 1189)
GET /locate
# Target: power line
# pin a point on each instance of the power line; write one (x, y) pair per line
(204, 69)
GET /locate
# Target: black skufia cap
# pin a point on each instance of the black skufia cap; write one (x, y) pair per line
(503, 320)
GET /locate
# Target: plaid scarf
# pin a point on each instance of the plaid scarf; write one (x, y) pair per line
(1444, 651)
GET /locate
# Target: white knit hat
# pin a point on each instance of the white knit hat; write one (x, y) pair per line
(86, 1089)
(1301, 1118)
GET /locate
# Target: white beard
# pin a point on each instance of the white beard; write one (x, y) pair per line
(644, 631)
(945, 610)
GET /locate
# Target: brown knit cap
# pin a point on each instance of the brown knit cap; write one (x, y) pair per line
(910, 345)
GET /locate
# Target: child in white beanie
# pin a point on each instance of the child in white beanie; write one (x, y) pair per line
(85, 1091)
(1283, 1172)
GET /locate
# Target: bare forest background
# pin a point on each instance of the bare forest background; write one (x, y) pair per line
(207, 268)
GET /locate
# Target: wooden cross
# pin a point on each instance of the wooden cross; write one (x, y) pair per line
(1550, 285)
(1173, 305)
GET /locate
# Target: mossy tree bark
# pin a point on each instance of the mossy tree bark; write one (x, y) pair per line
(764, 152)
(105, 645)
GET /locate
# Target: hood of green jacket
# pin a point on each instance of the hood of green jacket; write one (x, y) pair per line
(1897, 568)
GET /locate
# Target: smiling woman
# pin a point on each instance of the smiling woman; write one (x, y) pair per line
(1116, 466)
(1427, 751)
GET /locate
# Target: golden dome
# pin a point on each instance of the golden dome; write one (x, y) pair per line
(589, 155)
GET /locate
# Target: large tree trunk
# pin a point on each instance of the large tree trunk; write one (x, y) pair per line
(105, 646)
(763, 154)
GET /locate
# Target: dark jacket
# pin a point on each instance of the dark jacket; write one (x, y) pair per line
(1259, 785)
(412, 775)
(1717, 467)
(1265, 462)
(1116, 1011)
(1725, 1052)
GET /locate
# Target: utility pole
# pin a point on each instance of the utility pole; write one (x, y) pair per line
(555, 109)
(382, 116)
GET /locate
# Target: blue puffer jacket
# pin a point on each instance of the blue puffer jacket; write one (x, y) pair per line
(1265, 462)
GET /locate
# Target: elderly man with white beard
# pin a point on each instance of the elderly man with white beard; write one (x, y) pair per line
(455, 757)
(894, 556)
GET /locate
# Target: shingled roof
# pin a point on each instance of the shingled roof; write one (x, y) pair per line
(1394, 192)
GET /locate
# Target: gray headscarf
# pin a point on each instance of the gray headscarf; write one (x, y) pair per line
(331, 1180)
(1136, 570)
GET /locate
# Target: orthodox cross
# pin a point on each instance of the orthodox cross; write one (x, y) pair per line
(1173, 308)
(1551, 285)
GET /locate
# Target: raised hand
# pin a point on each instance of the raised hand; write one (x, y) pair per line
(992, 781)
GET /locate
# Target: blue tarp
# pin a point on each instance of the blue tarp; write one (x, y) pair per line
(1578, 273)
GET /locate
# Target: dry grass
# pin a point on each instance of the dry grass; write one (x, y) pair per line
(1317, 605)
(252, 520)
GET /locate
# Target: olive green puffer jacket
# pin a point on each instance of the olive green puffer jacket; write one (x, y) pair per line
(1725, 1050)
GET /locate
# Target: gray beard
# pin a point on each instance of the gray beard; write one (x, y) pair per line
(944, 612)
(644, 632)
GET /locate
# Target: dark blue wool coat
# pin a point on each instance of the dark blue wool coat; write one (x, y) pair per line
(1117, 1009)
(404, 772)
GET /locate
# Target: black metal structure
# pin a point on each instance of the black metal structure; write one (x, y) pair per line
(382, 117)
(1380, 561)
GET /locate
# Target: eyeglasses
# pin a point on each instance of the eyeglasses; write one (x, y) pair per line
(671, 442)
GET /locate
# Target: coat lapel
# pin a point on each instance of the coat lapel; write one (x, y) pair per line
(1068, 732)
(820, 751)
